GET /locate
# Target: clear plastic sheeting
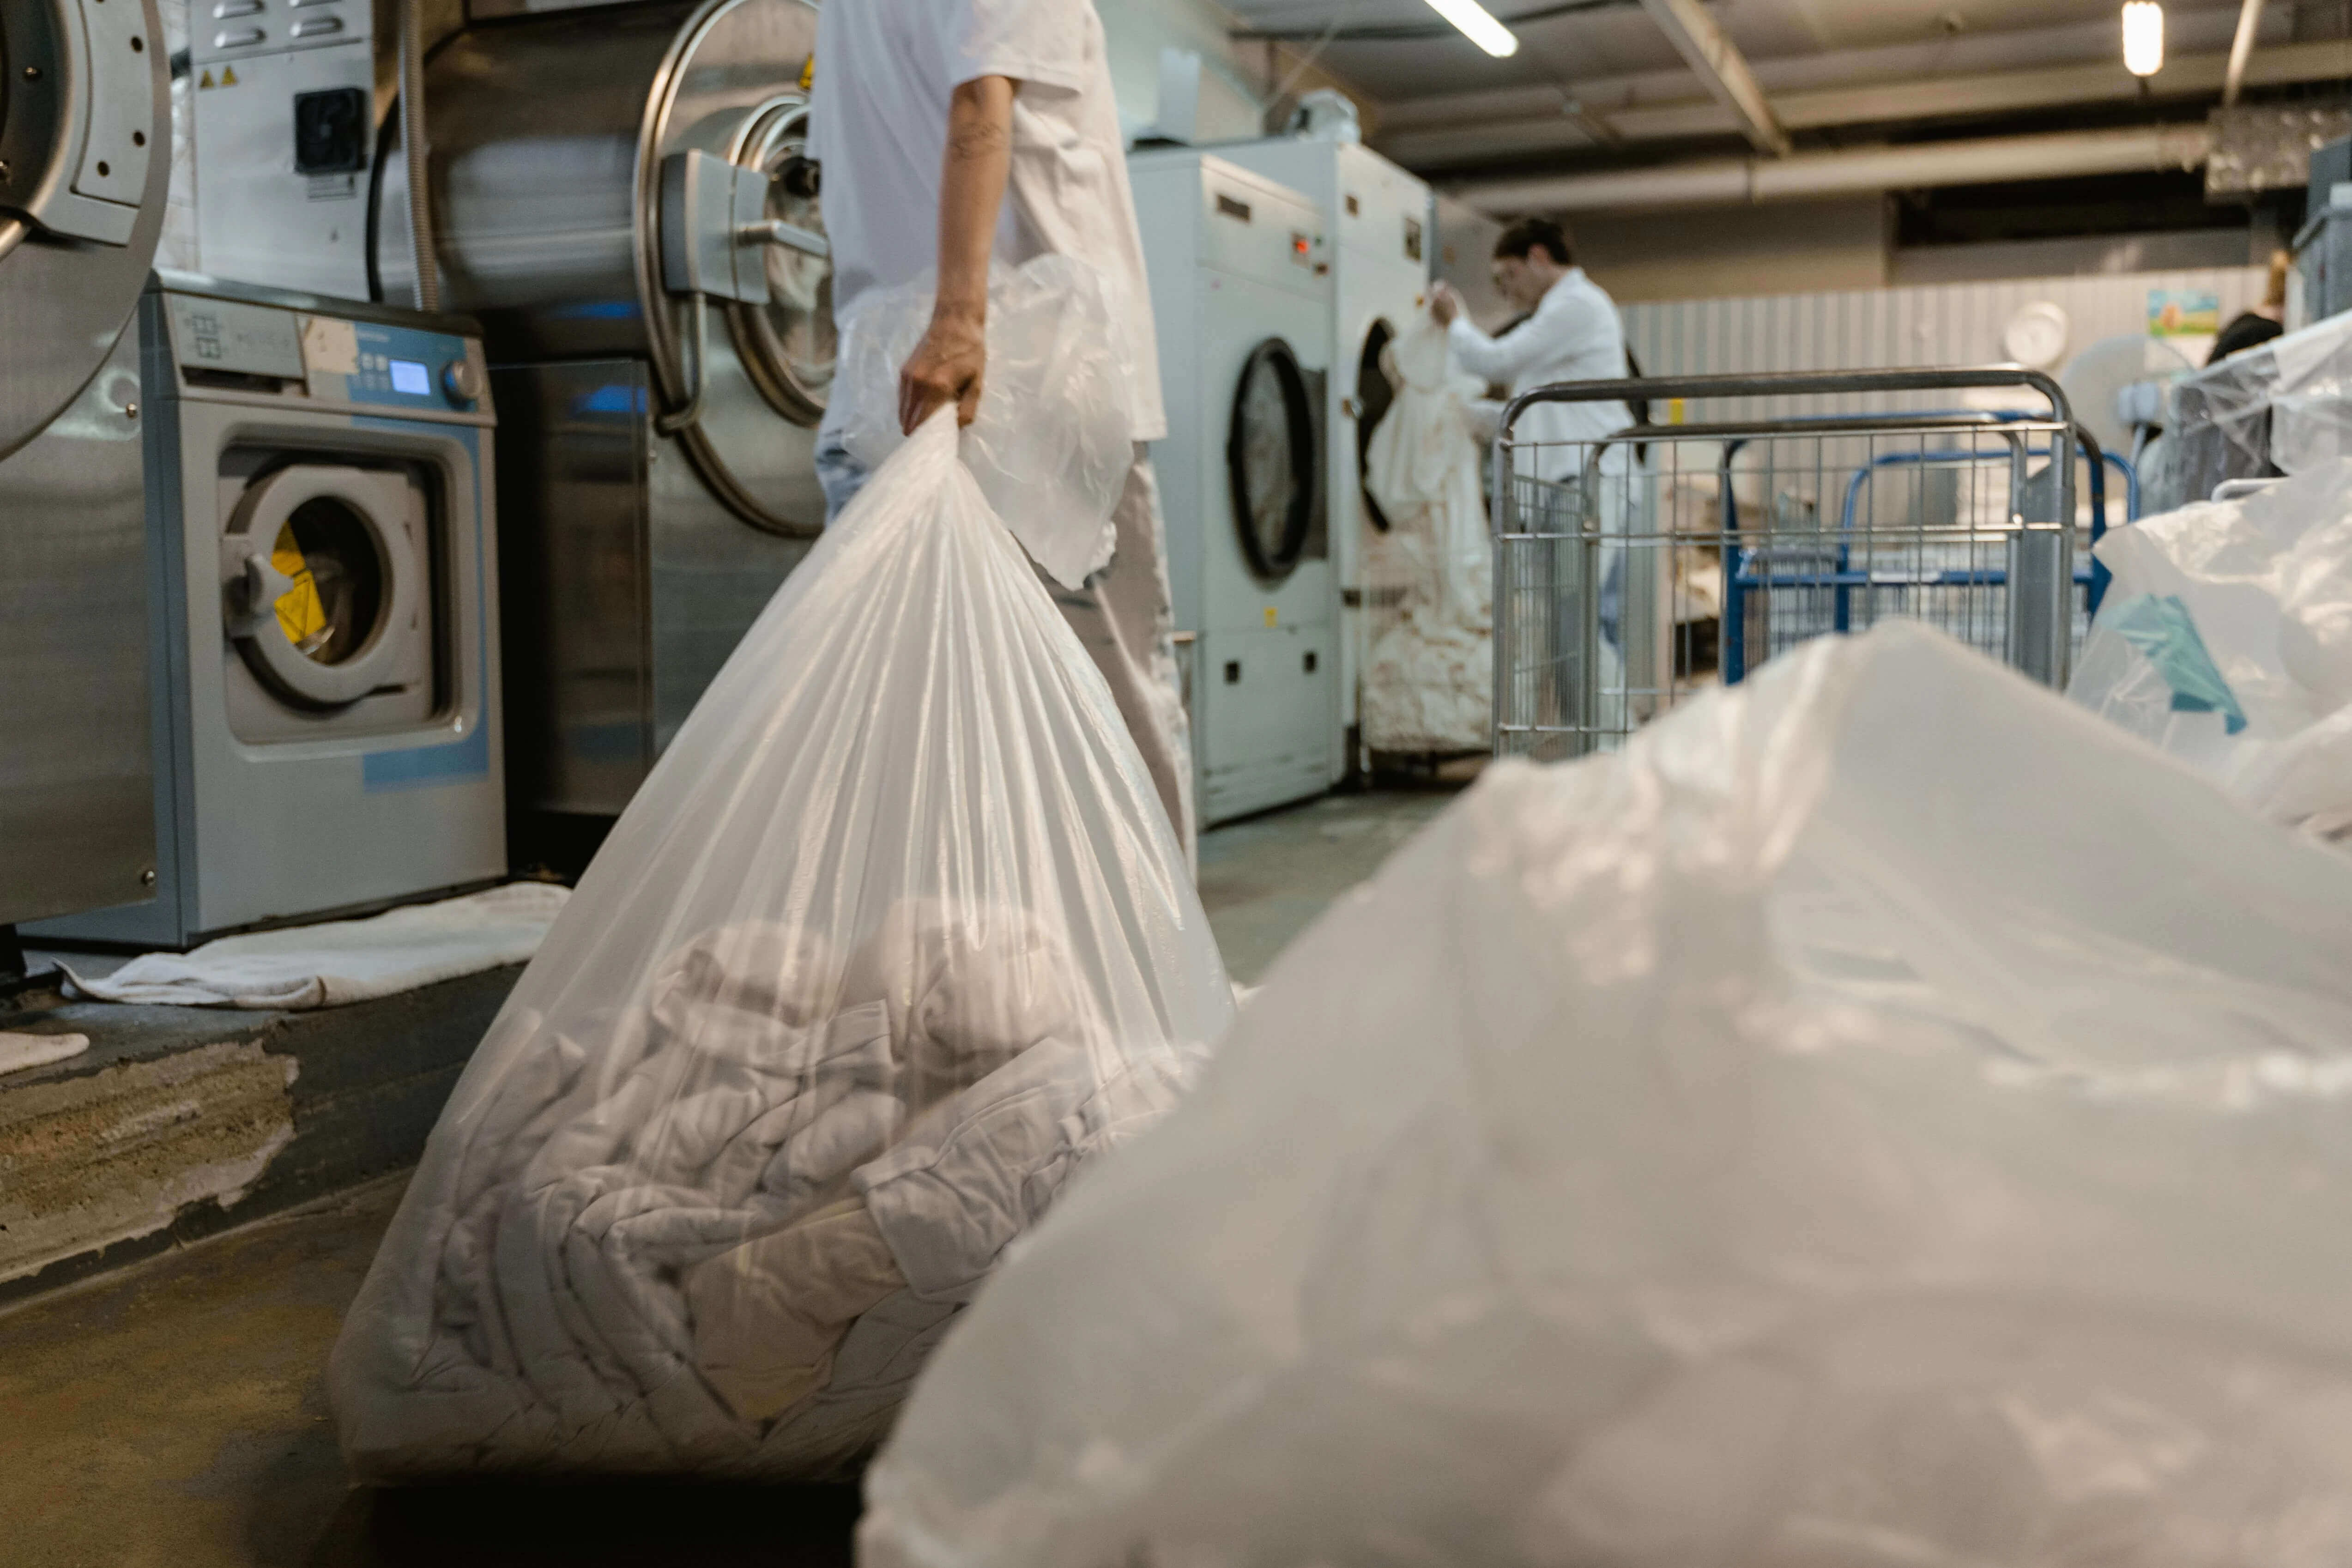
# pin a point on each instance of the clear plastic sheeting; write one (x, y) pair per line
(1053, 442)
(2282, 408)
(1429, 681)
(2226, 639)
(894, 938)
(1881, 1117)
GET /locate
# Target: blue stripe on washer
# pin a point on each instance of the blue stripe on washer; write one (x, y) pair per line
(423, 767)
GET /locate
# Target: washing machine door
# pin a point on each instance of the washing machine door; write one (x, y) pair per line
(84, 158)
(1375, 395)
(327, 577)
(787, 344)
(1270, 455)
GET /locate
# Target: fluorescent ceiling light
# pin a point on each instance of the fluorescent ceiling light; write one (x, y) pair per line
(2143, 38)
(1479, 26)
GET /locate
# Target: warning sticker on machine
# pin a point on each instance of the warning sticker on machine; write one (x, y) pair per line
(329, 347)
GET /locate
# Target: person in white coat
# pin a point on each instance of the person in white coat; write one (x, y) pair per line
(1571, 333)
(951, 132)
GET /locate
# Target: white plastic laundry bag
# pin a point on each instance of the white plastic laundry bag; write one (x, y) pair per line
(895, 937)
(1429, 679)
(2226, 639)
(1053, 442)
(1881, 1117)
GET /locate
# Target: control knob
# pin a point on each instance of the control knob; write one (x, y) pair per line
(461, 381)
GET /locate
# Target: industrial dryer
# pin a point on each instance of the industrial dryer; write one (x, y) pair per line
(620, 196)
(84, 159)
(1380, 248)
(1240, 291)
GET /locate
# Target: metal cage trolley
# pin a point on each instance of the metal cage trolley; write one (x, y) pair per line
(1635, 569)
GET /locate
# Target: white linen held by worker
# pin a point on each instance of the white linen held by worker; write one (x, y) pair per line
(2225, 638)
(1429, 681)
(1881, 1117)
(895, 937)
(1052, 443)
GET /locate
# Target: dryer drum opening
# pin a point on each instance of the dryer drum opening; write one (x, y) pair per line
(1374, 393)
(1270, 453)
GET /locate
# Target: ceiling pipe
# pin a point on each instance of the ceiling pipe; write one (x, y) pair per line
(1805, 176)
(2241, 49)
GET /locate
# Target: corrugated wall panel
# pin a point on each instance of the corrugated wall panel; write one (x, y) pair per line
(1929, 325)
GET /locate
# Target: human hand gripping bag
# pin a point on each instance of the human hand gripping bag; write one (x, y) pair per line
(1883, 1116)
(894, 939)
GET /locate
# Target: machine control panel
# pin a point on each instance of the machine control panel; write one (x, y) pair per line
(287, 352)
(244, 340)
(407, 367)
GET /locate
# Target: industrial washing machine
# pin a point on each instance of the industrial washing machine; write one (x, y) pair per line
(1241, 293)
(84, 159)
(1380, 252)
(327, 728)
(620, 196)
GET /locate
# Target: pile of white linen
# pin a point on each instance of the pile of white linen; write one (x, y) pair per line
(1428, 683)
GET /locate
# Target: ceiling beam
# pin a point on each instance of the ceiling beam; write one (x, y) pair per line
(2242, 48)
(1723, 68)
(1517, 127)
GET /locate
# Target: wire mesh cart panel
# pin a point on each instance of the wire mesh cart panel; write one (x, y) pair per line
(1635, 568)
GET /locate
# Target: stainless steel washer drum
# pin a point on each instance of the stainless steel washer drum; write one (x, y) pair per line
(549, 137)
(85, 153)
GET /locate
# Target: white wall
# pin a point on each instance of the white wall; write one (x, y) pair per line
(1135, 31)
(1798, 248)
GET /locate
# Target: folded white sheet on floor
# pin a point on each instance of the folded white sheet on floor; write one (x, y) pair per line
(2226, 639)
(1882, 1117)
(895, 938)
(342, 962)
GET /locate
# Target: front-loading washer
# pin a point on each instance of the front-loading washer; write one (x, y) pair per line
(1241, 294)
(327, 734)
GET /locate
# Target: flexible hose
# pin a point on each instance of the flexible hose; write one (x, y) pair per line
(418, 152)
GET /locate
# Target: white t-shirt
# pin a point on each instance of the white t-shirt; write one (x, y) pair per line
(878, 127)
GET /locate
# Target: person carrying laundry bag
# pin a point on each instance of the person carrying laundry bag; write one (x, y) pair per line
(954, 134)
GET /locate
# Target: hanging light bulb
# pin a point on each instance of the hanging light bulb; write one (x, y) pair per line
(2143, 38)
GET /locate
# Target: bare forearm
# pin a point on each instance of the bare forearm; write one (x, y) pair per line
(951, 365)
(971, 190)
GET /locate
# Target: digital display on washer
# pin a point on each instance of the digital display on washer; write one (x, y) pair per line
(409, 377)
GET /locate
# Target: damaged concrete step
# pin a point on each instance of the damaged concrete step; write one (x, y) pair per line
(180, 1122)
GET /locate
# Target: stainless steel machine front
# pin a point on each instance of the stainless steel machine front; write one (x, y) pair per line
(84, 157)
(621, 197)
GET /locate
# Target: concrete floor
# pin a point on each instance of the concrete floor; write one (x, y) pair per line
(172, 1413)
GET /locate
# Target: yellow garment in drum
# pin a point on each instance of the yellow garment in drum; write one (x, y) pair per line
(300, 615)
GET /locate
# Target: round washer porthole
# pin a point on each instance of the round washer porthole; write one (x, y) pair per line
(787, 345)
(1270, 455)
(323, 581)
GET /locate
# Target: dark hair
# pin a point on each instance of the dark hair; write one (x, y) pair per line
(1523, 237)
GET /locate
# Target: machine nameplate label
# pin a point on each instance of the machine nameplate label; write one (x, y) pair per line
(217, 334)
